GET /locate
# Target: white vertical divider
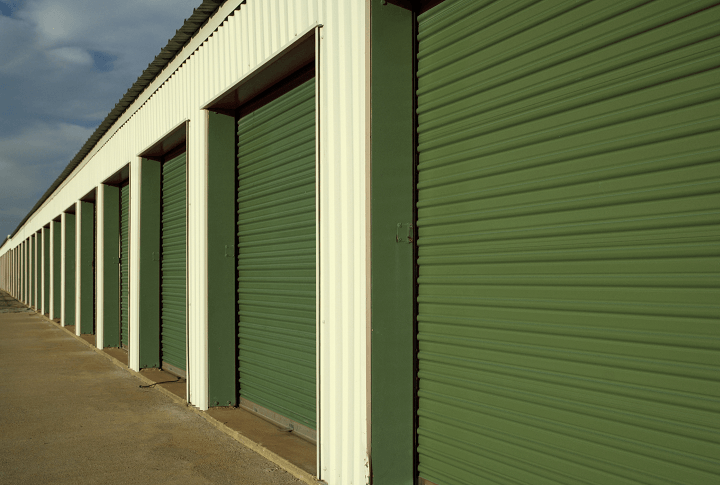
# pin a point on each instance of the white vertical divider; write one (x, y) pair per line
(63, 221)
(78, 265)
(19, 271)
(33, 255)
(51, 266)
(21, 276)
(23, 255)
(197, 230)
(99, 267)
(134, 325)
(26, 270)
(343, 438)
(45, 237)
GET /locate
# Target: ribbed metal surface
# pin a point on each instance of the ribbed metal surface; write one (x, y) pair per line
(24, 271)
(55, 249)
(20, 272)
(31, 265)
(97, 263)
(21, 267)
(124, 264)
(174, 260)
(26, 244)
(568, 218)
(46, 270)
(69, 272)
(276, 255)
(63, 262)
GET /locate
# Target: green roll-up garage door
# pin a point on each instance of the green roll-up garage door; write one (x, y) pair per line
(568, 218)
(31, 265)
(124, 264)
(70, 270)
(276, 255)
(174, 242)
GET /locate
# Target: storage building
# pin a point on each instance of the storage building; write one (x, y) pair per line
(450, 242)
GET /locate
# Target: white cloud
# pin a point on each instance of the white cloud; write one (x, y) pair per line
(106, 25)
(53, 95)
(71, 55)
(55, 21)
(29, 162)
(42, 141)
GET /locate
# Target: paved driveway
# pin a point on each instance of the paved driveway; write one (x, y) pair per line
(68, 415)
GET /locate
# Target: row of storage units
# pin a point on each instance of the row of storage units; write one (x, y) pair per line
(450, 242)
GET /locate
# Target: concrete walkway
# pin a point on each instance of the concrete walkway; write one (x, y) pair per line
(68, 415)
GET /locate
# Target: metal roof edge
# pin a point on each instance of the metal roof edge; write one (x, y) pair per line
(183, 35)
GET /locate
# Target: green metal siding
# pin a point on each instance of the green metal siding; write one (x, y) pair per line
(32, 273)
(392, 262)
(124, 264)
(56, 268)
(69, 317)
(111, 265)
(174, 236)
(148, 270)
(221, 268)
(276, 255)
(568, 217)
(86, 272)
(23, 272)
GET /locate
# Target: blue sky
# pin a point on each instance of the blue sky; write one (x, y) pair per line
(63, 66)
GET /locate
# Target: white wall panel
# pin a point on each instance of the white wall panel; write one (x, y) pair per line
(43, 241)
(19, 271)
(36, 273)
(51, 300)
(134, 338)
(27, 270)
(78, 267)
(226, 50)
(23, 269)
(343, 393)
(63, 222)
(99, 269)
(25, 253)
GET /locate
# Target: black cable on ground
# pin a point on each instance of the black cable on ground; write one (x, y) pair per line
(162, 382)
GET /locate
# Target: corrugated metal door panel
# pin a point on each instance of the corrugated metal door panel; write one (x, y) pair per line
(124, 264)
(94, 269)
(568, 227)
(22, 272)
(70, 270)
(46, 270)
(174, 260)
(32, 271)
(276, 255)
